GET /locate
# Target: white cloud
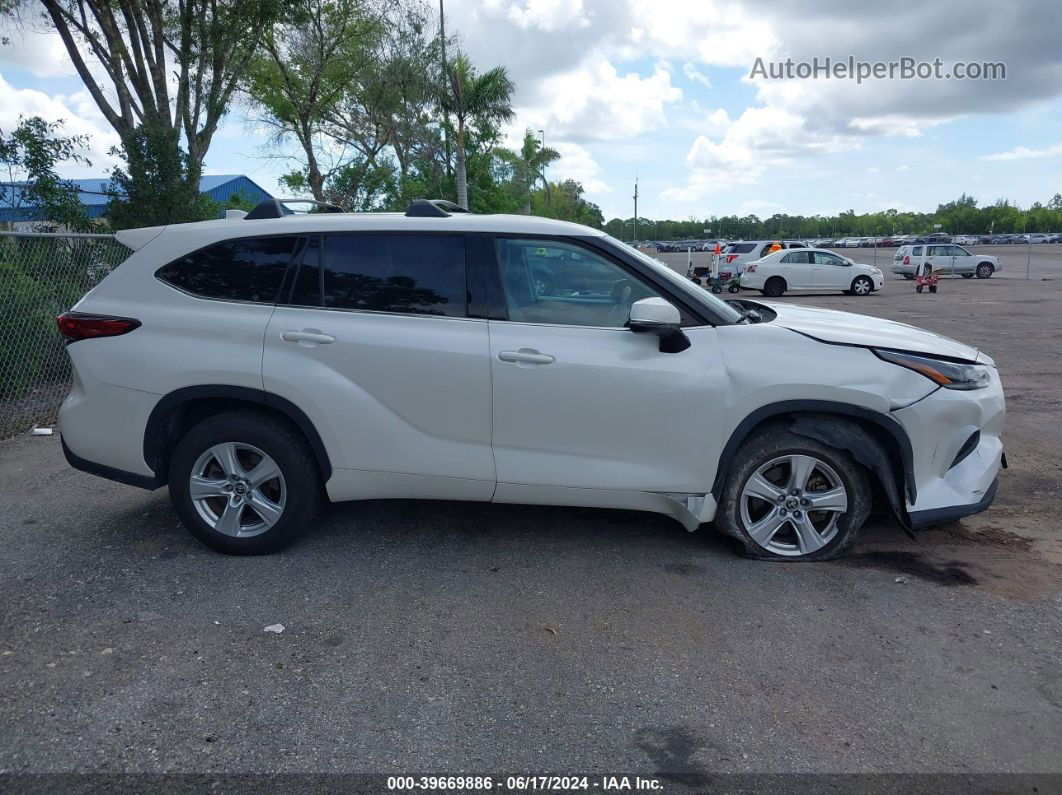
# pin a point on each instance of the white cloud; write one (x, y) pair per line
(759, 140)
(695, 76)
(40, 53)
(576, 163)
(1024, 153)
(79, 115)
(549, 15)
(596, 102)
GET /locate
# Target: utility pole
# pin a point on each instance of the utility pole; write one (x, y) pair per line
(635, 208)
(446, 78)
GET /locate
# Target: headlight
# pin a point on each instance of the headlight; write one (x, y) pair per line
(950, 375)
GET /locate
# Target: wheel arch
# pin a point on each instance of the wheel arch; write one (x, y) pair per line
(179, 410)
(874, 439)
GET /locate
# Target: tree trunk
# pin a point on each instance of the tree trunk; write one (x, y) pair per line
(462, 176)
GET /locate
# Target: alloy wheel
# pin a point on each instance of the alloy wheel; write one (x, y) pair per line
(237, 489)
(790, 506)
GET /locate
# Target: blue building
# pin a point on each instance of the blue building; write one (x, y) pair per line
(93, 194)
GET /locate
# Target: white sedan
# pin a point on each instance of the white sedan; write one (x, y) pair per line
(810, 269)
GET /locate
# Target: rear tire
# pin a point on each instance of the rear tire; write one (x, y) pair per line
(775, 287)
(245, 483)
(984, 270)
(793, 473)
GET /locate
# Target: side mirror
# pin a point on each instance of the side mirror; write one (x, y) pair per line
(657, 316)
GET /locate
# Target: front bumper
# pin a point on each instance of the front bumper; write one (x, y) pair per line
(948, 485)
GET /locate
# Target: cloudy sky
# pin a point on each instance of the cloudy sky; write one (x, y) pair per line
(661, 90)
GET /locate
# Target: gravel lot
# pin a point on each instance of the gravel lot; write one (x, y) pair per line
(430, 637)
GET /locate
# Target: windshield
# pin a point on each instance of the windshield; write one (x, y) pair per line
(688, 288)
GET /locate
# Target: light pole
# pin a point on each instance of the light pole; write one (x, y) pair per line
(635, 209)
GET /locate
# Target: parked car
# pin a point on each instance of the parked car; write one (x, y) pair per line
(1036, 239)
(257, 366)
(948, 259)
(810, 270)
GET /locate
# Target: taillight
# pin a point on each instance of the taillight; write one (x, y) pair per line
(730, 258)
(906, 260)
(80, 326)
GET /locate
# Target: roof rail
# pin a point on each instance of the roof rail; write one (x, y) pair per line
(277, 208)
(433, 208)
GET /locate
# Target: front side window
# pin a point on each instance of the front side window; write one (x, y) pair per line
(236, 270)
(547, 281)
(407, 274)
(959, 251)
(825, 258)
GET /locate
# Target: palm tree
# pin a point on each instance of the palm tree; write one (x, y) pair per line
(529, 168)
(485, 98)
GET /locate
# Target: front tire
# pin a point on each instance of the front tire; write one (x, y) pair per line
(967, 275)
(244, 483)
(861, 285)
(789, 497)
(985, 270)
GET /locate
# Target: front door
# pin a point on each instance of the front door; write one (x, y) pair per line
(580, 401)
(831, 272)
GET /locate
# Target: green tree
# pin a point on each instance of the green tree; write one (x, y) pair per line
(162, 72)
(471, 98)
(308, 61)
(529, 168)
(29, 157)
(151, 187)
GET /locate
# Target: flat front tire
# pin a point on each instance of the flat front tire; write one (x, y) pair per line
(244, 483)
(789, 497)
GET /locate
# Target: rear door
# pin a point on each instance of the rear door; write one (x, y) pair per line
(375, 344)
(796, 269)
(939, 257)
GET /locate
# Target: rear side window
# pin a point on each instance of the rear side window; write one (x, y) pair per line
(740, 248)
(236, 270)
(797, 257)
(408, 274)
(916, 251)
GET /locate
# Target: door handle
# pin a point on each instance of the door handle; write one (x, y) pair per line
(526, 356)
(307, 335)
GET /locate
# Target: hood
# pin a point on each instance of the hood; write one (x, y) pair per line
(848, 328)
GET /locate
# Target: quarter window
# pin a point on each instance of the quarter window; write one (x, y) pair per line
(408, 274)
(236, 270)
(558, 283)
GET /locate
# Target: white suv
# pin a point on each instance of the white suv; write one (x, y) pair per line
(255, 366)
(946, 258)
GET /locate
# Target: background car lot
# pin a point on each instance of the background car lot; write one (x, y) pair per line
(499, 638)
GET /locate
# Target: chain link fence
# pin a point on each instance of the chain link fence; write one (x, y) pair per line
(42, 275)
